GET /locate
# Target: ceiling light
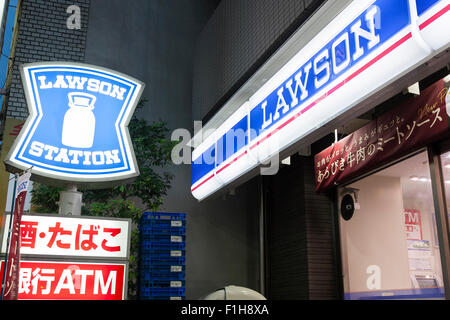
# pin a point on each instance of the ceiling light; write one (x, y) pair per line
(447, 80)
(416, 178)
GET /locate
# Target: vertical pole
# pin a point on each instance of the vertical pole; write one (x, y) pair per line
(262, 271)
(442, 221)
(337, 245)
(70, 201)
(9, 235)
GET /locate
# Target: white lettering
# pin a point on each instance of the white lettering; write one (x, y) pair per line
(83, 274)
(181, 153)
(105, 88)
(112, 156)
(60, 83)
(413, 217)
(51, 150)
(62, 156)
(36, 149)
(87, 155)
(370, 35)
(75, 154)
(43, 84)
(93, 85)
(280, 104)
(118, 92)
(338, 68)
(299, 84)
(65, 282)
(374, 280)
(74, 20)
(76, 81)
(324, 66)
(98, 158)
(110, 282)
(79, 83)
(266, 122)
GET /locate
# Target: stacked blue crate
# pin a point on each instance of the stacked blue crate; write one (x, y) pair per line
(162, 257)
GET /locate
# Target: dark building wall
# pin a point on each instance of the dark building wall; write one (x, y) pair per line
(300, 237)
(301, 243)
(153, 41)
(44, 36)
(240, 36)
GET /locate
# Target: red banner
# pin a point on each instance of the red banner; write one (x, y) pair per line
(413, 224)
(409, 126)
(52, 280)
(10, 289)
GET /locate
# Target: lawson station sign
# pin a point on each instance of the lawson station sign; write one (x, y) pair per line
(367, 46)
(77, 124)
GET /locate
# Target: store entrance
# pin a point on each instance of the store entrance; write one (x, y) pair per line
(389, 242)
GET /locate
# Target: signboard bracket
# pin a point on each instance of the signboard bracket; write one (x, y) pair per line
(70, 201)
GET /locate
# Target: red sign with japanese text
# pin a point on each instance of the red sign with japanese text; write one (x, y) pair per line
(12, 274)
(409, 126)
(413, 224)
(51, 280)
(57, 235)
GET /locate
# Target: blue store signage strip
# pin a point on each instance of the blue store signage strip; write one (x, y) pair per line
(423, 293)
(77, 127)
(343, 65)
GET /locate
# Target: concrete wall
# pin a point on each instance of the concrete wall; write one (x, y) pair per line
(154, 42)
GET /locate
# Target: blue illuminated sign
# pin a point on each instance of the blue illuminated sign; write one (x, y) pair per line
(77, 127)
(369, 44)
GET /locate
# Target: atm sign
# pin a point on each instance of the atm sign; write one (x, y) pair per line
(45, 280)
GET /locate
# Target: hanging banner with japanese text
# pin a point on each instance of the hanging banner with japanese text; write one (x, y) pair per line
(12, 275)
(69, 236)
(409, 126)
(56, 280)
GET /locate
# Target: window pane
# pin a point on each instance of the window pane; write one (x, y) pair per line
(389, 245)
(445, 161)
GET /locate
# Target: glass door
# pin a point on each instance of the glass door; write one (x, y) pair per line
(389, 243)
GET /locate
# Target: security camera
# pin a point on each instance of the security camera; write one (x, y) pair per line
(349, 203)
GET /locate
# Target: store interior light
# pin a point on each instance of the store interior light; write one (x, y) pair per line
(416, 178)
(447, 80)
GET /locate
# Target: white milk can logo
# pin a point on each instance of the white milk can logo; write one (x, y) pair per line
(77, 127)
(79, 121)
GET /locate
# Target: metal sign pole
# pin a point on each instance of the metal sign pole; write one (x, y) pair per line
(9, 235)
(70, 201)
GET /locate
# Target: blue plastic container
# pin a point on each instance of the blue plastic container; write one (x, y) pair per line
(171, 261)
(153, 293)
